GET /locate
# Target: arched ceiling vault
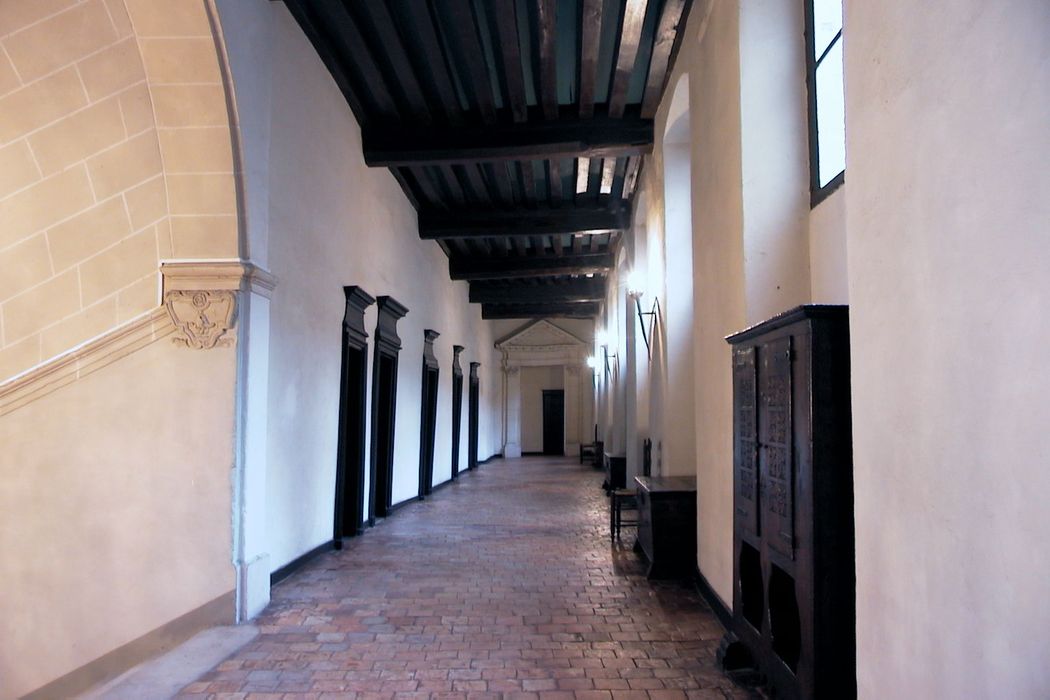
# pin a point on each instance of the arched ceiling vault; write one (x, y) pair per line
(517, 129)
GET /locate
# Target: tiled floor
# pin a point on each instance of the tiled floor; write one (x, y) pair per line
(503, 584)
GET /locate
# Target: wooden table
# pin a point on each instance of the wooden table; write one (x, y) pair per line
(615, 472)
(667, 524)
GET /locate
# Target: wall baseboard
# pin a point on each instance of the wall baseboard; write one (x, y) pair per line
(401, 504)
(299, 562)
(442, 485)
(719, 608)
(218, 611)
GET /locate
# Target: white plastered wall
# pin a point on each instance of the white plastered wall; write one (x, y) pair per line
(332, 221)
(948, 218)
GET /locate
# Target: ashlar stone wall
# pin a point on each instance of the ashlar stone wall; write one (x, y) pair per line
(115, 153)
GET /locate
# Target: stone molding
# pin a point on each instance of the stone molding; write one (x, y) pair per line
(201, 298)
(218, 280)
(540, 336)
(85, 359)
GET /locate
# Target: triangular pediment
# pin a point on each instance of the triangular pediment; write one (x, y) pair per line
(538, 335)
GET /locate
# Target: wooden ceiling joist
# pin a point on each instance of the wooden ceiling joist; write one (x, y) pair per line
(503, 311)
(395, 145)
(508, 268)
(474, 223)
(572, 292)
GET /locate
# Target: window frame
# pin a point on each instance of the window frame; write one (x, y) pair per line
(817, 194)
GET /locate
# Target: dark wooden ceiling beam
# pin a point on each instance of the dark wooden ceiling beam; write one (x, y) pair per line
(500, 311)
(571, 292)
(505, 17)
(474, 223)
(665, 46)
(546, 32)
(391, 145)
(464, 27)
(590, 35)
(510, 268)
(385, 33)
(353, 45)
(554, 180)
(626, 54)
(426, 38)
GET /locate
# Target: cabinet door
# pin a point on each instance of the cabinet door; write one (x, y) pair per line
(745, 442)
(776, 464)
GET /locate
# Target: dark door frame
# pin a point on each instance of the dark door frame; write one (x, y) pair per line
(387, 345)
(473, 409)
(428, 413)
(457, 407)
(350, 459)
(561, 394)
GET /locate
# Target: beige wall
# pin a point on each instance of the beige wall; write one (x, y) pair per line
(947, 107)
(534, 380)
(827, 250)
(114, 508)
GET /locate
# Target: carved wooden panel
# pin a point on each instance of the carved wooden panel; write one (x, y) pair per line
(745, 444)
(776, 463)
(794, 596)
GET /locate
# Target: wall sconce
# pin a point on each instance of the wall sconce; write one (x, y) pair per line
(635, 290)
(604, 339)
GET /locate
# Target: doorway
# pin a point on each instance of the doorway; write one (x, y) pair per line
(472, 417)
(554, 422)
(349, 512)
(384, 407)
(457, 407)
(428, 422)
(428, 414)
(350, 472)
(384, 403)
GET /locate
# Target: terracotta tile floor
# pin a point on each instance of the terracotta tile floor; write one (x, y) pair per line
(501, 585)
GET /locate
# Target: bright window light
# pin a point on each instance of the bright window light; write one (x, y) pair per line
(827, 102)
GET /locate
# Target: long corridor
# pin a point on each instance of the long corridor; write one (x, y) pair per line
(503, 584)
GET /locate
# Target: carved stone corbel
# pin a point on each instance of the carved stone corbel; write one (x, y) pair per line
(201, 298)
(201, 318)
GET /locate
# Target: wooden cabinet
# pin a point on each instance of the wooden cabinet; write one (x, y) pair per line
(794, 594)
(667, 524)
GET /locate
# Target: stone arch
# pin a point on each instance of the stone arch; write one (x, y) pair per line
(123, 154)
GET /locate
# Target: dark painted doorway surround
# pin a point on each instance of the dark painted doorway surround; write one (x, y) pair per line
(384, 407)
(350, 461)
(472, 416)
(457, 407)
(553, 422)
(428, 414)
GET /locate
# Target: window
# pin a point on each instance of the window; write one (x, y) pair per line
(827, 113)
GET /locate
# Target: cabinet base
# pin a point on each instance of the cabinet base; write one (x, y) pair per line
(736, 661)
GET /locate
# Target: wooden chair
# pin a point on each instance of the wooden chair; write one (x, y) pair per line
(619, 501)
(588, 451)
